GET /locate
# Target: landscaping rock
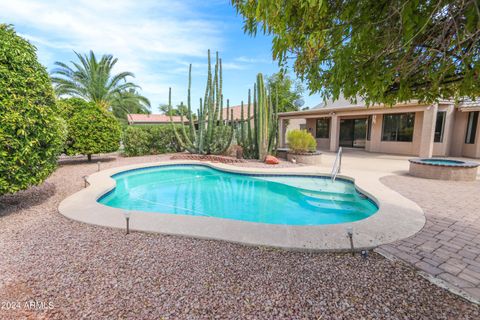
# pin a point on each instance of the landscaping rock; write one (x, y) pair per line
(271, 160)
(91, 272)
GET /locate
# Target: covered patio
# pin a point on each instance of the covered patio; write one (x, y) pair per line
(413, 129)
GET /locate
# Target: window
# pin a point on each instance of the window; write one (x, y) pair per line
(472, 127)
(369, 127)
(439, 126)
(398, 127)
(323, 128)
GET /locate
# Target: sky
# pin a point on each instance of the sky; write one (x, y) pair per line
(154, 39)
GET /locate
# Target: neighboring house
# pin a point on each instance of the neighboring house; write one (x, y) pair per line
(441, 129)
(139, 119)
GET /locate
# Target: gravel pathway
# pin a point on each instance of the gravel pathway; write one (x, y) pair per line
(67, 270)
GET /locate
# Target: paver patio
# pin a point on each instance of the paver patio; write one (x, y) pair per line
(448, 247)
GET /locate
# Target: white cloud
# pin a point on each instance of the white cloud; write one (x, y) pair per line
(244, 59)
(147, 36)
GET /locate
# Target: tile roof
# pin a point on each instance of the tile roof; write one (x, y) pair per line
(162, 118)
(151, 118)
(469, 103)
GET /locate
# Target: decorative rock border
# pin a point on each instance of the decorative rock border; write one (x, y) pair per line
(397, 217)
(212, 158)
(456, 171)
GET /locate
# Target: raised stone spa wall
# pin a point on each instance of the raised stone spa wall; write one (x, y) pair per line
(443, 172)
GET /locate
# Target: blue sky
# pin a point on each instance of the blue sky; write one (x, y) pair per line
(155, 39)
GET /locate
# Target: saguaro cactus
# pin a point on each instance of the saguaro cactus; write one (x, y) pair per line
(259, 141)
(214, 134)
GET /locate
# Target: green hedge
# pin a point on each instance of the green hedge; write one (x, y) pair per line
(31, 133)
(152, 139)
(91, 129)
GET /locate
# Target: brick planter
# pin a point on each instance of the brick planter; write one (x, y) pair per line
(306, 158)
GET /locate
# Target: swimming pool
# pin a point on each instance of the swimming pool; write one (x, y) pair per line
(198, 190)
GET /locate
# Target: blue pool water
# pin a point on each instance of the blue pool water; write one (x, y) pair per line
(202, 191)
(443, 162)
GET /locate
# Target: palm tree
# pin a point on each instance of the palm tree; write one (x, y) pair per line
(92, 80)
(129, 101)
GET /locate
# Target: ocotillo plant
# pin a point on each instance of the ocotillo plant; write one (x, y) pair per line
(214, 134)
(261, 140)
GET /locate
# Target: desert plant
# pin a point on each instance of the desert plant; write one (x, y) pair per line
(209, 116)
(91, 129)
(92, 80)
(261, 140)
(31, 134)
(301, 141)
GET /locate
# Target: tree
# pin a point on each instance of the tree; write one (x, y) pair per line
(31, 133)
(91, 129)
(289, 92)
(93, 81)
(383, 51)
(129, 101)
(179, 110)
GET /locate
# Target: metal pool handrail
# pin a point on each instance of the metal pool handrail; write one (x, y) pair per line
(337, 164)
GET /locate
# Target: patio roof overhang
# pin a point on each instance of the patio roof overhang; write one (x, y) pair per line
(352, 110)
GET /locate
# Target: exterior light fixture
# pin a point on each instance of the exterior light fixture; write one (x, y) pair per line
(364, 254)
(127, 215)
(85, 180)
(98, 164)
(350, 236)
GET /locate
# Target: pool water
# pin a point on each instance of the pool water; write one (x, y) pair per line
(203, 191)
(443, 162)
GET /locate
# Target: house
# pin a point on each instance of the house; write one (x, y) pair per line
(425, 130)
(142, 119)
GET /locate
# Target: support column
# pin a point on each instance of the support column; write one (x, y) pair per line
(334, 132)
(428, 131)
(281, 133)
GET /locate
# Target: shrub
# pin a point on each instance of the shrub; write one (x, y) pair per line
(91, 129)
(31, 134)
(144, 140)
(301, 141)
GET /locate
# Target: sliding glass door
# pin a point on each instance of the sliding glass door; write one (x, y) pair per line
(353, 133)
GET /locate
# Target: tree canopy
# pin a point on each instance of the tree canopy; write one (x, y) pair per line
(384, 51)
(129, 101)
(289, 92)
(31, 133)
(91, 129)
(179, 110)
(93, 80)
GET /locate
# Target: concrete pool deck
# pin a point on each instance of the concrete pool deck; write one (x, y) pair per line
(397, 217)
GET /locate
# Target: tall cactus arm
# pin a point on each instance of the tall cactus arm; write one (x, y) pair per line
(242, 125)
(255, 121)
(249, 120)
(193, 133)
(231, 134)
(184, 144)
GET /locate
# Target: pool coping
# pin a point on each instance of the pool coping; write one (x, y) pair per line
(459, 163)
(396, 218)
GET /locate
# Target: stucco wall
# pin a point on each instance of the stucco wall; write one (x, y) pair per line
(443, 148)
(322, 144)
(458, 147)
(394, 147)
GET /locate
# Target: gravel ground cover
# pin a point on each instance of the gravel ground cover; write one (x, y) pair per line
(67, 270)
